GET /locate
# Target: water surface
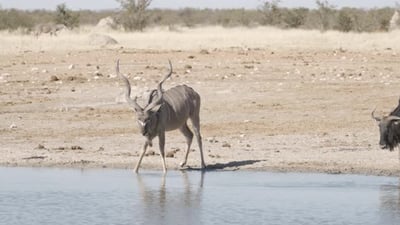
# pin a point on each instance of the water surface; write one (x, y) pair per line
(38, 196)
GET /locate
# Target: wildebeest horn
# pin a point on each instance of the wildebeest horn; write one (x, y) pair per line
(375, 117)
(390, 118)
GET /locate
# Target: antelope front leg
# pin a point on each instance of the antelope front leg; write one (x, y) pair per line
(136, 170)
(161, 142)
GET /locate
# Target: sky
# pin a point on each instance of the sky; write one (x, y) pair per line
(176, 4)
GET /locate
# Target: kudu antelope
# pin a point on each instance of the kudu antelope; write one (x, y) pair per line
(166, 111)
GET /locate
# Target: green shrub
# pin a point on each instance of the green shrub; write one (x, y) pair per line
(295, 18)
(344, 21)
(12, 19)
(271, 13)
(133, 15)
(65, 16)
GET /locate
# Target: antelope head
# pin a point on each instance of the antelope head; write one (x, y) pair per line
(388, 126)
(148, 116)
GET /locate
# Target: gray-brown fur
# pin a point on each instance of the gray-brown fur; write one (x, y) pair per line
(389, 129)
(51, 29)
(166, 111)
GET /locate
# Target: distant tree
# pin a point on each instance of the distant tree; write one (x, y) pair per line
(344, 21)
(66, 16)
(295, 18)
(133, 15)
(325, 11)
(271, 12)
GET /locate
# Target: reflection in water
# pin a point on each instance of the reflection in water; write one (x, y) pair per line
(63, 197)
(179, 207)
(390, 203)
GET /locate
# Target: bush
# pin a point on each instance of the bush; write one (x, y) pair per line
(296, 17)
(133, 15)
(13, 19)
(66, 17)
(271, 13)
(325, 12)
(344, 21)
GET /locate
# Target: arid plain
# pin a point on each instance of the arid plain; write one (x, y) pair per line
(272, 100)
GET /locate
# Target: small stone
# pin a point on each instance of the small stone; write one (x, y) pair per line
(54, 78)
(170, 154)
(72, 66)
(204, 51)
(13, 126)
(150, 153)
(226, 145)
(76, 147)
(40, 146)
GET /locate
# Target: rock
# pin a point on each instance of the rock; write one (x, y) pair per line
(40, 146)
(212, 140)
(204, 51)
(97, 73)
(54, 78)
(13, 126)
(72, 66)
(394, 21)
(107, 23)
(150, 153)
(226, 145)
(170, 154)
(101, 40)
(76, 147)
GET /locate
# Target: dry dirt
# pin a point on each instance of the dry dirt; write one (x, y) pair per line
(262, 109)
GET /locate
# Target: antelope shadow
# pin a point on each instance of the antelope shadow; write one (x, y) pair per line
(234, 165)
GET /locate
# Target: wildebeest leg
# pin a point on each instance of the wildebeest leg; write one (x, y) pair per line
(189, 137)
(161, 141)
(141, 156)
(196, 128)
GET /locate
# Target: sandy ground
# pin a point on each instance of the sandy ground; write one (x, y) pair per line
(264, 107)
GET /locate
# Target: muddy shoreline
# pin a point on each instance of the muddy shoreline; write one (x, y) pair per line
(289, 110)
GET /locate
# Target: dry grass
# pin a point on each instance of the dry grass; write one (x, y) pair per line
(206, 38)
(304, 108)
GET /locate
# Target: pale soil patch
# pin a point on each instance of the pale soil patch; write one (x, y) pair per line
(271, 100)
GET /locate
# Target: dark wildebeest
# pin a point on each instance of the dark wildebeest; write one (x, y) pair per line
(389, 129)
